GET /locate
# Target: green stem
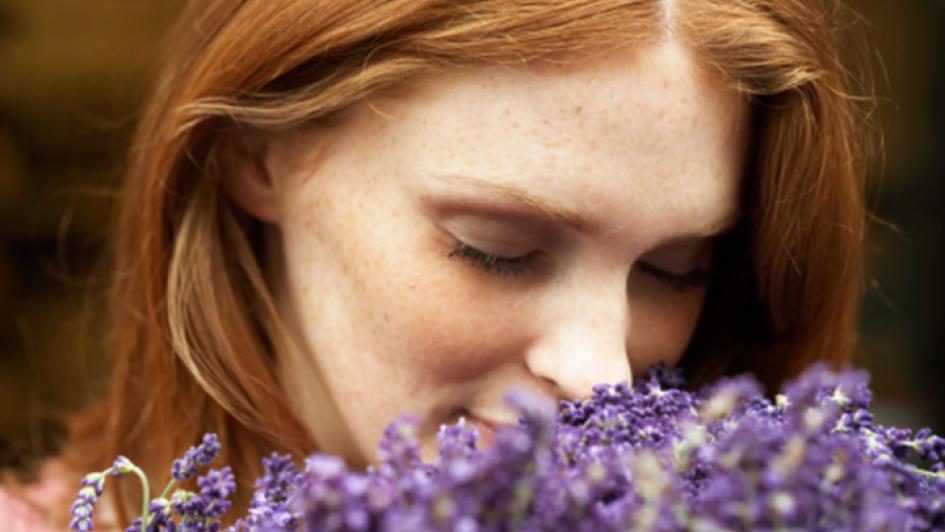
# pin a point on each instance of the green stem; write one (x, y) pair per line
(146, 490)
(930, 474)
(167, 490)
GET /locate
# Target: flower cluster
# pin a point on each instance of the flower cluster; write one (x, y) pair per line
(650, 457)
(174, 509)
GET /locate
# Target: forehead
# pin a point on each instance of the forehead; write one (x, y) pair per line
(635, 137)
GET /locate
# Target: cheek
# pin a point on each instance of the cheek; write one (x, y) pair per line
(446, 323)
(403, 308)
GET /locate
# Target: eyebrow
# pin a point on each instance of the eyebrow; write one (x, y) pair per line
(550, 209)
(568, 216)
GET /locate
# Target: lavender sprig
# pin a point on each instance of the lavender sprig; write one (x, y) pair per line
(93, 484)
(196, 512)
(199, 455)
(82, 509)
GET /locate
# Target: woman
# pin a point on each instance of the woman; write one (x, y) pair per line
(339, 211)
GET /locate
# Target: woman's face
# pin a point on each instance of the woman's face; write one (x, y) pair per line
(599, 187)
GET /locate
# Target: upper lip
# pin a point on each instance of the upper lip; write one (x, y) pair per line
(487, 421)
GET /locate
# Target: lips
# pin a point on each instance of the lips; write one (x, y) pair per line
(486, 427)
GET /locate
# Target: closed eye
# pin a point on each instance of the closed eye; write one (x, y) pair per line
(493, 264)
(681, 282)
(518, 266)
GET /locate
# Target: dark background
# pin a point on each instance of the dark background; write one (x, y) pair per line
(72, 77)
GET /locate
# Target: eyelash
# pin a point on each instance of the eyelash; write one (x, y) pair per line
(492, 264)
(516, 266)
(696, 278)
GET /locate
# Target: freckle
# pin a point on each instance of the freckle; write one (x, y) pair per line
(577, 109)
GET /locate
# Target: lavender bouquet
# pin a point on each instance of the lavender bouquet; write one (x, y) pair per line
(648, 457)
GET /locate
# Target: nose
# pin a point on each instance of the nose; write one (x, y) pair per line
(582, 345)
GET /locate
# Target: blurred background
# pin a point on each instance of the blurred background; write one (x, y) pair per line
(73, 75)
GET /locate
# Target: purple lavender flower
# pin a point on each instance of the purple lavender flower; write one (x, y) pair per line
(197, 512)
(82, 509)
(652, 456)
(268, 509)
(199, 455)
(215, 490)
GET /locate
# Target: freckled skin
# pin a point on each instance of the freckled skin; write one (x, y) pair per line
(387, 323)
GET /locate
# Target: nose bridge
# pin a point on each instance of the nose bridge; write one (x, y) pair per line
(583, 340)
